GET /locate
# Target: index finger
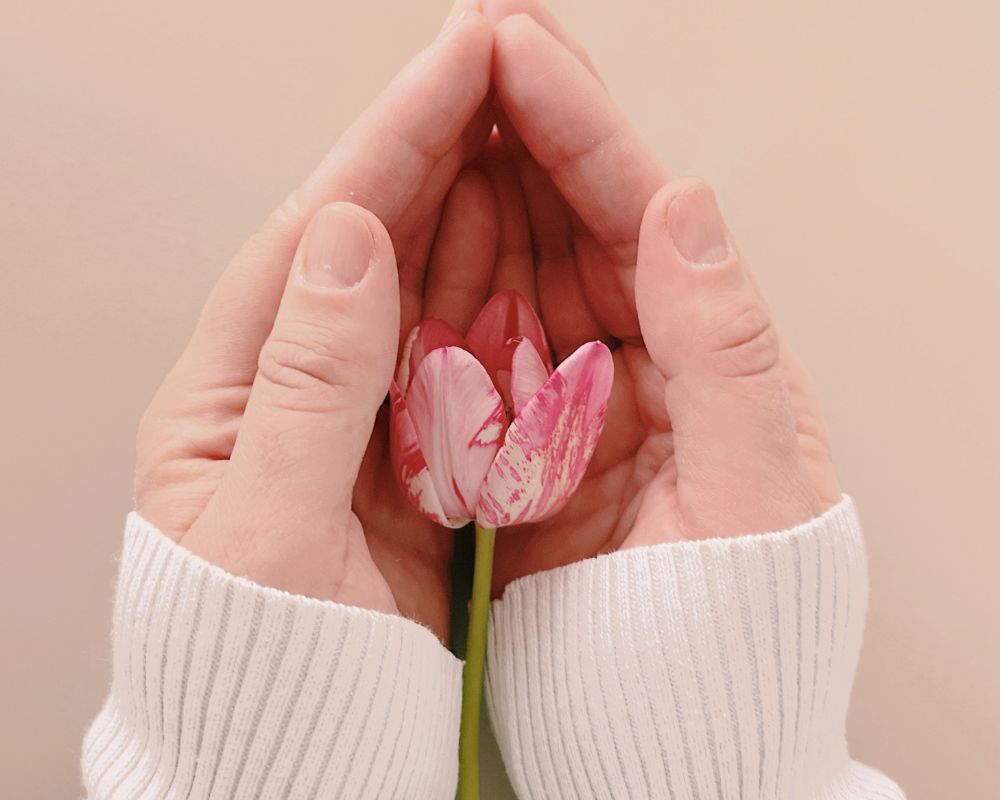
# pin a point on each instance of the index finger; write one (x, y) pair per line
(574, 130)
(412, 132)
(497, 10)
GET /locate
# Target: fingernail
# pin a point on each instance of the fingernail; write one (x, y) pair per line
(697, 228)
(338, 249)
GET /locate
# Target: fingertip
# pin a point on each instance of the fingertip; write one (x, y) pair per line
(520, 33)
(464, 253)
(654, 247)
(709, 332)
(517, 30)
(467, 27)
(549, 97)
(364, 306)
(345, 247)
(519, 45)
(473, 190)
(497, 11)
(382, 242)
(687, 269)
(472, 202)
(698, 304)
(466, 43)
(341, 213)
(461, 6)
(655, 216)
(683, 227)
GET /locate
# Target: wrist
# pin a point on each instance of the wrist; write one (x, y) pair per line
(331, 563)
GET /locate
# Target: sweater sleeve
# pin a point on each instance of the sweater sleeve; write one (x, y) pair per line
(709, 669)
(222, 688)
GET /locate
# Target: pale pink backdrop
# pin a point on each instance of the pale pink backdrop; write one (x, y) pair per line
(854, 149)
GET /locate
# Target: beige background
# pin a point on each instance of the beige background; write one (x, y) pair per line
(853, 145)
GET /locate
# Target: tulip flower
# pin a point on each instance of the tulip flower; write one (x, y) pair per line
(483, 428)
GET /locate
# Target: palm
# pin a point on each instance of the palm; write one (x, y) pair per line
(509, 236)
(635, 446)
(186, 448)
(508, 225)
(545, 253)
(580, 288)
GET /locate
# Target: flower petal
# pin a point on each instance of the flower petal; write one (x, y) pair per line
(527, 374)
(506, 316)
(430, 334)
(459, 420)
(408, 462)
(549, 444)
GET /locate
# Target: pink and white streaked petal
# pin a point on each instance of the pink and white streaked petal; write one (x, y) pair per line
(430, 334)
(460, 421)
(408, 462)
(507, 315)
(528, 374)
(550, 443)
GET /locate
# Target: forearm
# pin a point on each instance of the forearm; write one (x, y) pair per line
(225, 688)
(718, 668)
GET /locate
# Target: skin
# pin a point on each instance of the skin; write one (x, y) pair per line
(265, 449)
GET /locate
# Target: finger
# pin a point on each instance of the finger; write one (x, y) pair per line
(598, 302)
(415, 131)
(323, 374)
(416, 122)
(575, 132)
(411, 261)
(497, 10)
(568, 317)
(515, 267)
(464, 252)
(419, 224)
(739, 468)
(596, 281)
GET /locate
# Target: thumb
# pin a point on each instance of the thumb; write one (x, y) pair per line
(322, 375)
(737, 463)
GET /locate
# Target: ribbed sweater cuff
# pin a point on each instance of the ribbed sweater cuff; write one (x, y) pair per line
(716, 668)
(224, 688)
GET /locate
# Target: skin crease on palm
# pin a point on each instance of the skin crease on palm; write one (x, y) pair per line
(486, 177)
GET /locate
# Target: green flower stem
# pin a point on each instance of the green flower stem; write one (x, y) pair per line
(475, 663)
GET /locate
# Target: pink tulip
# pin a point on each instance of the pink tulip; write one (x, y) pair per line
(482, 427)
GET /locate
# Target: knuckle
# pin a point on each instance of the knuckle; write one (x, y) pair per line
(812, 434)
(813, 447)
(145, 435)
(745, 344)
(152, 436)
(306, 359)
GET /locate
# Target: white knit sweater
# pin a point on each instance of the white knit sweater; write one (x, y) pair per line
(701, 670)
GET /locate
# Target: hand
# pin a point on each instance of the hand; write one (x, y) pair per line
(713, 428)
(264, 451)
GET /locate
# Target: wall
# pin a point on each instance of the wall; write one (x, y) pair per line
(853, 146)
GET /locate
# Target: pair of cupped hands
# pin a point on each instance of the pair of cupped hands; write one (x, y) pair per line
(496, 159)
